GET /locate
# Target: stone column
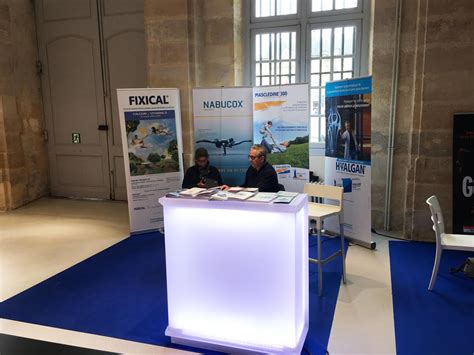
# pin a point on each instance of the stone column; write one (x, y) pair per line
(445, 86)
(434, 81)
(23, 155)
(382, 59)
(193, 43)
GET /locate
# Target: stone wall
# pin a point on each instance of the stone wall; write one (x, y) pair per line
(23, 156)
(193, 43)
(435, 74)
(447, 88)
(199, 43)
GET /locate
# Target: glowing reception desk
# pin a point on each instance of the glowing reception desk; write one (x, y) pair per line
(237, 274)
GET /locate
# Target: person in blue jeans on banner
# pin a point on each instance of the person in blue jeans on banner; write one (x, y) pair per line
(351, 149)
(267, 136)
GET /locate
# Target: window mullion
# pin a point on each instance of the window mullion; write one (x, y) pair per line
(272, 57)
(343, 51)
(320, 87)
(333, 38)
(276, 67)
(260, 59)
(275, 58)
(280, 56)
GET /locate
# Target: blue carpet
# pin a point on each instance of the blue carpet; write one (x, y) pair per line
(436, 322)
(121, 293)
(321, 309)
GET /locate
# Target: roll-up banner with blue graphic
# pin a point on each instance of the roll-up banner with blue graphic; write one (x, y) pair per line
(223, 125)
(348, 145)
(150, 122)
(280, 124)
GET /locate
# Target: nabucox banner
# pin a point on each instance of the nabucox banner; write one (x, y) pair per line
(348, 155)
(150, 122)
(223, 125)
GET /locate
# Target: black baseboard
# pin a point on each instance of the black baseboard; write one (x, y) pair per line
(13, 345)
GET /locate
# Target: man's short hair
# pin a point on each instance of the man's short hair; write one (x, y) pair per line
(201, 153)
(261, 150)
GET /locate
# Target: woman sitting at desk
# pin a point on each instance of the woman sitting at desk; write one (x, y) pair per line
(202, 174)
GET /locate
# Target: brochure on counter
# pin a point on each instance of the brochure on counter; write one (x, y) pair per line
(285, 197)
(234, 193)
(198, 191)
(263, 197)
(195, 192)
(226, 195)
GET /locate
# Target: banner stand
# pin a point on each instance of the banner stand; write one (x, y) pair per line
(348, 153)
(369, 245)
(223, 126)
(150, 122)
(281, 125)
(227, 121)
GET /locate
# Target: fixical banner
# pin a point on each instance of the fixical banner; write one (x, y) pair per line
(151, 138)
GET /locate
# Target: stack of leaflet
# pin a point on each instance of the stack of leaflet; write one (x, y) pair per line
(173, 194)
(246, 189)
(227, 195)
(285, 197)
(198, 192)
(263, 197)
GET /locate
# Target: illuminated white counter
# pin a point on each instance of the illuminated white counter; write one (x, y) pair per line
(237, 274)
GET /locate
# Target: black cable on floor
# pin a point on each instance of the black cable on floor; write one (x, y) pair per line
(386, 235)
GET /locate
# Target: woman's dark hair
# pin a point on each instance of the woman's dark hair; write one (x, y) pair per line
(201, 153)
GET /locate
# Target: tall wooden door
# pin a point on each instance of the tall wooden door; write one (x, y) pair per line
(84, 48)
(125, 67)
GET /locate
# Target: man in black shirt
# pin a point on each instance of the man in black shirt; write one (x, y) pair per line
(260, 174)
(202, 174)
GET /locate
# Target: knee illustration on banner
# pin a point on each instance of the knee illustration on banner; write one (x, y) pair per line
(333, 126)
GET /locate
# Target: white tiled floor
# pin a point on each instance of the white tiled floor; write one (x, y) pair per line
(363, 320)
(50, 235)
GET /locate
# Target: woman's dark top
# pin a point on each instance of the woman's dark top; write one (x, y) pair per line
(265, 179)
(195, 174)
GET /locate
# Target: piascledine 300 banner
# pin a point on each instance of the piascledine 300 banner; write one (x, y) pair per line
(281, 125)
(150, 122)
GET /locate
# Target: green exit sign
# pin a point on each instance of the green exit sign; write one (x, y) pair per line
(76, 138)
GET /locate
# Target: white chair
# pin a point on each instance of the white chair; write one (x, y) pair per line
(445, 240)
(320, 211)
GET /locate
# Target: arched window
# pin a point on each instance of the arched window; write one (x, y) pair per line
(314, 41)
